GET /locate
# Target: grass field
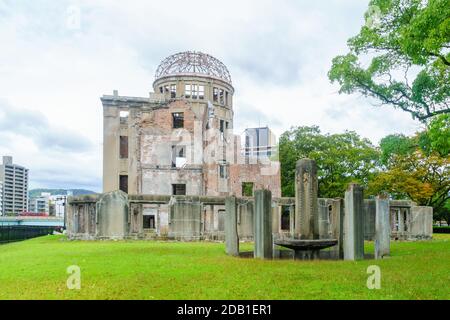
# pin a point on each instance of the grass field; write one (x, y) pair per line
(36, 269)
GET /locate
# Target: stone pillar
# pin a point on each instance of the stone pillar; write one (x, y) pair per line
(323, 222)
(421, 222)
(231, 232)
(306, 189)
(382, 228)
(354, 223)
(291, 221)
(400, 221)
(337, 227)
(369, 220)
(276, 225)
(263, 224)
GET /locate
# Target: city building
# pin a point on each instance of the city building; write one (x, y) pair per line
(59, 202)
(15, 187)
(259, 143)
(40, 204)
(179, 140)
(1, 198)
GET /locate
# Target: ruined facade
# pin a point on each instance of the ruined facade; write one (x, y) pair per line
(179, 140)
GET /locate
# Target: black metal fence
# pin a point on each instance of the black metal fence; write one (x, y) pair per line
(17, 233)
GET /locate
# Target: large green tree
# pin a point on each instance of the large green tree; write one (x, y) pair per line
(417, 168)
(341, 159)
(401, 57)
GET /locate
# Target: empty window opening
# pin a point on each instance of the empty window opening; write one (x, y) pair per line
(178, 156)
(187, 90)
(124, 114)
(221, 96)
(194, 91)
(215, 94)
(179, 189)
(201, 92)
(173, 90)
(149, 222)
(223, 171)
(178, 120)
(285, 218)
(226, 97)
(123, 183)
(123, 147)
(247, 189)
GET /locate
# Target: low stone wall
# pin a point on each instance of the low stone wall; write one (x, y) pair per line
(407, 221)
(116, 215)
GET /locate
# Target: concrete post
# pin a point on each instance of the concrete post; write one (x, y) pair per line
(291, 221)
(263, 224)
(231, 233)
(354, 223)
(382, 228)
(337, 227)
(421, 222)
(401, 227)
(276, 224)
(306, 189)
(323, 221)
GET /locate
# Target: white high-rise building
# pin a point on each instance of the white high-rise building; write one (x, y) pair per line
(15, 187)
(40, 204)
(1, 198)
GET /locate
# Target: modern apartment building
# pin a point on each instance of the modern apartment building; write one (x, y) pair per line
(15, 187)
(259, 142)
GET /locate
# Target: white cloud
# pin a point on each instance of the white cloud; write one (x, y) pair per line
(278, 53)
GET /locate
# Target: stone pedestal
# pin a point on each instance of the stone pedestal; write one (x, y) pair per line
(306, 189)
(354, 223)
(382, 228)
(231, 232)
(263, 224)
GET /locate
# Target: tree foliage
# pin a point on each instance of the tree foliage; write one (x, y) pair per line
(393, 145)
(437, 137)
(408, 54)
(341, 159)
(416, 168)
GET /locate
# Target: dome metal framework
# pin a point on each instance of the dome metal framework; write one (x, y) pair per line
(193, 62)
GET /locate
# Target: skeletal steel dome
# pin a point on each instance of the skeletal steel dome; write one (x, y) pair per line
(193, 63)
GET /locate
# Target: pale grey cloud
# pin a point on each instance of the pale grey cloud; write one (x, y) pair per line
(34, 125)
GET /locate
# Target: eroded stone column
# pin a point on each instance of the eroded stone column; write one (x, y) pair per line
(382, 228)
(306, 189)
(354, 223)
(337, 227)
(263, 224)
(231, 232)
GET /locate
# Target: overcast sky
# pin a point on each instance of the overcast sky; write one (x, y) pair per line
(55, 64)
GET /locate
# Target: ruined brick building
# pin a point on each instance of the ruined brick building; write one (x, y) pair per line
(179, 140)
(178, 162)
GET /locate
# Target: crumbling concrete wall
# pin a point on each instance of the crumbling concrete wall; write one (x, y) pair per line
(246, 209)
(185, 222)
(421, 222)
(112, 215)
(262, 175)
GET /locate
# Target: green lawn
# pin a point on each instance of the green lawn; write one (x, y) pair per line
(36, 269)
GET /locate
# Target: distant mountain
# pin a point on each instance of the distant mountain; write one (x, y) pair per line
(76, 192)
